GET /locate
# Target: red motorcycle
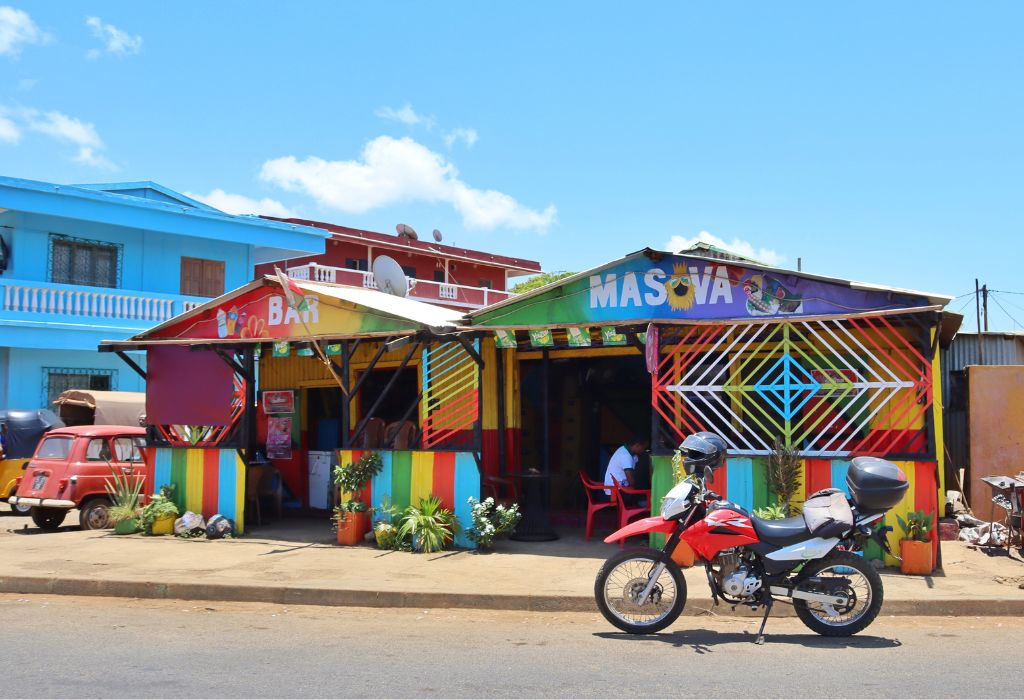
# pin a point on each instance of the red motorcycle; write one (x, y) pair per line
(809, 560)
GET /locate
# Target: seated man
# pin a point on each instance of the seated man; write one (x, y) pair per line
(622, 466)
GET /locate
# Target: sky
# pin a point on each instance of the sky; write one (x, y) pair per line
(875, 141)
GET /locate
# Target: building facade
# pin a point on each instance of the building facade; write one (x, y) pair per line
(457, 278)
(84, 263)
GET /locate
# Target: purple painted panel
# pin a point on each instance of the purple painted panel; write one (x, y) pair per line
(187, 388)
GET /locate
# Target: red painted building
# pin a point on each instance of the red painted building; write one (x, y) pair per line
(457, 278)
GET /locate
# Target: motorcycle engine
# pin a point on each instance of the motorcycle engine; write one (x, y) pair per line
(735, 577)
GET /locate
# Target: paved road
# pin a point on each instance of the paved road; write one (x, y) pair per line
(132, 648)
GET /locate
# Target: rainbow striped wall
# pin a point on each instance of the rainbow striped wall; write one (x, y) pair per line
(744, 481)
(208, 481)
(408, 476)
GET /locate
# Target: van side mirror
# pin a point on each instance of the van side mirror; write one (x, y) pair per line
(24, 466)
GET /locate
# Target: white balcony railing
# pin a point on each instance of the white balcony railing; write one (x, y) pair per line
(90, 302)
(426, 290)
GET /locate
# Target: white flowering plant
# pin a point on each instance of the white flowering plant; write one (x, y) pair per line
(490, 521)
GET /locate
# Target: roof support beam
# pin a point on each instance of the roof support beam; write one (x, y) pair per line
(131, 363)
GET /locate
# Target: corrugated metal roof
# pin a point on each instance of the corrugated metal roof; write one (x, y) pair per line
(1000, 349)
(402, 307)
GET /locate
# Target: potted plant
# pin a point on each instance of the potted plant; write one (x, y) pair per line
(124, 493)
(385, 531)
(916, 545)
(157, 516)
(350, 517)
(430, 527)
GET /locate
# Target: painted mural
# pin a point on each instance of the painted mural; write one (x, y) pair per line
(678, 287)
(207, 481)
(263, 312)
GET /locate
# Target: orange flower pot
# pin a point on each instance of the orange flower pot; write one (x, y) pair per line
(683, 554)
(351, 531)
(916, 557)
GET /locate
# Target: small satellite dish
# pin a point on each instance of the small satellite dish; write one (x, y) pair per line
(437, 235)
(389, 276)
(406, 231)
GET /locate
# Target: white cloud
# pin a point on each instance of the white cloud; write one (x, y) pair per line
(395, 171)
(742, 248)
(404, 114)
(26, 84)
(17, 28)
(117, 41)
(71, 130)
(9, 131)
(240, 204)
(467, 136)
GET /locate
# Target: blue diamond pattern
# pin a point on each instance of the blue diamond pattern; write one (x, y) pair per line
(787, 386)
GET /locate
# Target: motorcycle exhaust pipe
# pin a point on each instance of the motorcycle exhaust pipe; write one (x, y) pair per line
(834, 600)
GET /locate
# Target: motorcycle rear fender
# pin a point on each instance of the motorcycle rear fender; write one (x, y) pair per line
(642, 527)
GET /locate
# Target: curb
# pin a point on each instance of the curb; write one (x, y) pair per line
(334, 597)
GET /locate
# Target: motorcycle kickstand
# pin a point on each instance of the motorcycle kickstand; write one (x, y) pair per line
(764, 621)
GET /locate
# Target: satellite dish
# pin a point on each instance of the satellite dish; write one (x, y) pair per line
(406, 231)
(389, 276)
(437, 235)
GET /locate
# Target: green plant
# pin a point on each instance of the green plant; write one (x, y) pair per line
(772, 512)
(124, 493)
(490, 521)
(389, 536)
(160, 506)
(784, 474)
(386, 512)
(342, 510)
(430, 527)
(917, 526)
(352, 477)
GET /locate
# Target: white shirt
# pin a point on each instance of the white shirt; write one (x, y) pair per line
(622, 460)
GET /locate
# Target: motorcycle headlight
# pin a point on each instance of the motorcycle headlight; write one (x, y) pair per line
(677, 500)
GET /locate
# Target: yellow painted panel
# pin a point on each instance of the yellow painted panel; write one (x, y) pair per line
(194, 481)
(422, 476)
(345, 457)
(239, 494)
(800, 496)
(902, 508)
(937, 404)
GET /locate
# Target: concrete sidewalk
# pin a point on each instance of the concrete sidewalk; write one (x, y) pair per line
(295, 563)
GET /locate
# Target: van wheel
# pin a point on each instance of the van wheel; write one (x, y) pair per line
(48, 518)
(95, 515)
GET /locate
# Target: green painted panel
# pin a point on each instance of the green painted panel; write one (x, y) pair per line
(762, 494)
(661, 482)
(401, 478)
(179, 470)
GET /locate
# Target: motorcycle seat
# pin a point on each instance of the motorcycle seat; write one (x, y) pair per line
(781, 533)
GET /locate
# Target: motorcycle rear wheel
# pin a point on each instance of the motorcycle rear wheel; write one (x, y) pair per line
(865, 587)
(626, 574)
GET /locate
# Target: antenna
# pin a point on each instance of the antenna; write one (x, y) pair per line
(389, 276)
(437, 235)
(406, 231)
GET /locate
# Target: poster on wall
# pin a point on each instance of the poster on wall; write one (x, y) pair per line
(279, 437)
(278, 402)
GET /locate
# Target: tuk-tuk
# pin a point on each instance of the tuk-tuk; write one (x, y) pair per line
(21, 432)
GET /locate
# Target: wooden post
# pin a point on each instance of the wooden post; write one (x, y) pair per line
(346, 408)
(249, 415)
(546, 410)
(500, 371)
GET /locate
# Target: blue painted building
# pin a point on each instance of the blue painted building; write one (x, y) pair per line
(85, 263)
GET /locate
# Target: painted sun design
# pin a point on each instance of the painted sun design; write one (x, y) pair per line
(681, 293)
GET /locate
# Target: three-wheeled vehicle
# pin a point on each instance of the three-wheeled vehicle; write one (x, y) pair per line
(21, 432)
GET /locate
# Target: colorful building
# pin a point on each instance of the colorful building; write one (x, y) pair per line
(83, 263)
(457, 278)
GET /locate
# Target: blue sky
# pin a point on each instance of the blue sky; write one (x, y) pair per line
(876, 141)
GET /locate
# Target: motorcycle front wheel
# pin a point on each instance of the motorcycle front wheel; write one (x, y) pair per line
(623, 579)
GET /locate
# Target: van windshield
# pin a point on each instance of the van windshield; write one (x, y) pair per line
(55, 448)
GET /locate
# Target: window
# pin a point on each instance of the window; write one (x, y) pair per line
(486, 283)
(98, 450)
(128, 449)
(356, 264)
(79, 261)
(409, 271)
(202, 278)
(55, 448)
(439, 275)
(57, 380)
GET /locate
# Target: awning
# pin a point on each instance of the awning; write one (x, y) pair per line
(103, 407)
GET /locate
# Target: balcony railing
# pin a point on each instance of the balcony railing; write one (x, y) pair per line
(94, 303)
(425, 290)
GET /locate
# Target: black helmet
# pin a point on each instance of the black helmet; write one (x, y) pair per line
(703, 451)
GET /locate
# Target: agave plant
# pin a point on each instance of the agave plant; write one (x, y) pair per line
(430, 526)
(124, 493)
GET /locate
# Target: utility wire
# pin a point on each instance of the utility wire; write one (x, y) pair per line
(1015, 321)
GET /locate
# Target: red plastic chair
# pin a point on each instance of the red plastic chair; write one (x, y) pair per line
(594, 491)
(626, 513)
